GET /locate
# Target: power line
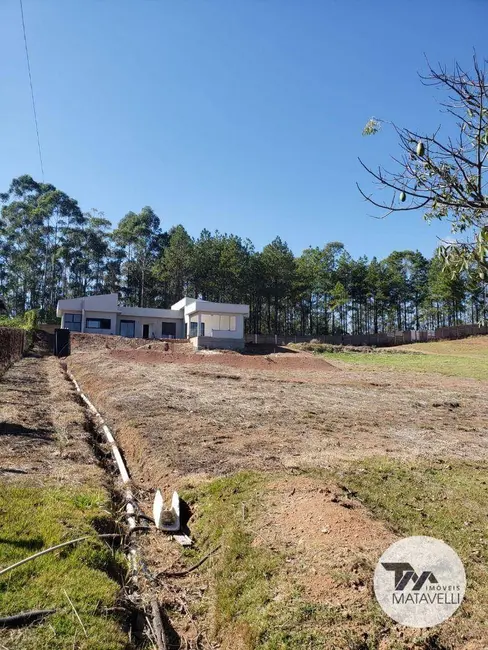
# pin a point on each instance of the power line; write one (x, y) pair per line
(32, 90)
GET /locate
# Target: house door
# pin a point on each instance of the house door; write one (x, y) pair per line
(127, 328)
(145, 331)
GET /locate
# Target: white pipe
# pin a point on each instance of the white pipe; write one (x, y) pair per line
(124, 474)
(129, 497)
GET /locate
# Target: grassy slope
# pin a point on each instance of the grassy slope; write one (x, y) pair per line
(251, 606)
(473, 346)
(446, 500)
(33, 519)
(463, 358)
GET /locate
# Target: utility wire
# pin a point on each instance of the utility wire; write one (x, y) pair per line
(32, 90)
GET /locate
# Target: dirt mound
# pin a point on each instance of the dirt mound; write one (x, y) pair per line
(85, 342)
(337, 539)
(301, 361)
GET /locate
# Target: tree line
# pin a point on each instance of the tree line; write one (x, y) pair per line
(50, 249)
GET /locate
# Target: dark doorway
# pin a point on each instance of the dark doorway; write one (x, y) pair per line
(145, 331)
(62, 346)
(168, 330)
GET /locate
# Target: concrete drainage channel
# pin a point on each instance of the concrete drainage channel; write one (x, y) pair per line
(153, 628)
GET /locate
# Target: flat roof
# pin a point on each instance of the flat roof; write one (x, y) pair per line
(186, 306)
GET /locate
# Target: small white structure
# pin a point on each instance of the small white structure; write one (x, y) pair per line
(166, 519)
(207, 324)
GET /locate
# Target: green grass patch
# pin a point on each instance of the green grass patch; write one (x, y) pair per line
(253, 603)
(446, 500)
(451, 365)
(243, 574)
(34, 518)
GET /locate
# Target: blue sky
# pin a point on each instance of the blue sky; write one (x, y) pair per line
(238, 115)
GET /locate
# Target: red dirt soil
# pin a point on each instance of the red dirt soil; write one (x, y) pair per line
(298, 361)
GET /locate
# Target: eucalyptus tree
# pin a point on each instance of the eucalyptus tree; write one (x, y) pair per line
(33, 216)
(138, 234)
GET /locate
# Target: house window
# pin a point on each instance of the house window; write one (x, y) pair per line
(168, 330)
(227, 324)
(98, 323)
(72, 322)
(194, 329)
(224, 323)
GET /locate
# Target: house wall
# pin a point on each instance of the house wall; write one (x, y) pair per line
(154, 325)
(202, 306)
(139, 321)
(141, 312)
(106, 302)
(212, 342)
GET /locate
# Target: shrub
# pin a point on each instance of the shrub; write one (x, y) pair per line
(15, 335)
(31, 320)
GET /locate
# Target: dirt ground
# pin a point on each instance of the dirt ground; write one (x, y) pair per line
(42, 427)
(286, 360)
(213, 414)
(332, 533)
(181, 417)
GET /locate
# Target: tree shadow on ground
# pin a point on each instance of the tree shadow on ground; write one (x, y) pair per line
(253, 349)
(33, 544)
(11, 429)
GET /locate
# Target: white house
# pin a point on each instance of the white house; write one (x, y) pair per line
(207, 324)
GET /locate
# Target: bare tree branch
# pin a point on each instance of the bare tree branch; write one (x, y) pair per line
(444, 177)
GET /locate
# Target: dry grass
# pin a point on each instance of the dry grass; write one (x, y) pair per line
(474, 346)
(297, 555)
(212, 419)
(42, 427)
